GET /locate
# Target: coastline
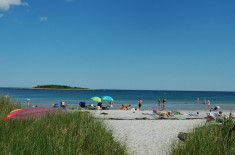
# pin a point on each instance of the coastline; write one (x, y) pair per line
(43, 88)
(58, 89)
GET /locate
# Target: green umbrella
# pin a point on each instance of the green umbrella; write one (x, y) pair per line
(97, 99)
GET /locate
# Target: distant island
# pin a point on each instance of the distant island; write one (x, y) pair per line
(56, 87)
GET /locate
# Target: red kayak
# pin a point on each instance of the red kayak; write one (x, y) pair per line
(31, 113)
(11, 114)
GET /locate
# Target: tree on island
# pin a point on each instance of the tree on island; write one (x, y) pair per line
(52, 86)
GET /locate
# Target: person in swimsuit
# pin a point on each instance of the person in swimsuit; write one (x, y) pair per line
(164, 102)
(209, 103)
(28, 101)
(204, 104)
(159, 102)
(140, 103)
(163, 113)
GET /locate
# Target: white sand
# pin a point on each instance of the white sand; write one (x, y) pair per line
(144, 133)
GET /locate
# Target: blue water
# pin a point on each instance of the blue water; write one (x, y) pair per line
(175, 99)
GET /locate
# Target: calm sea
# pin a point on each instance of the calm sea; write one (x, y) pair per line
(175, 99)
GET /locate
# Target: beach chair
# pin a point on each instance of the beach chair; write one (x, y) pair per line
(82, 104)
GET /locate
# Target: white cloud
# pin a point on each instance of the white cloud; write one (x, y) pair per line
(1, 15)
(5, 4)
(43, 18)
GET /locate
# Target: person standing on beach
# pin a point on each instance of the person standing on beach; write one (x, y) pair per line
(164, 102)
(140, 103)
(209, 103)
(204, 104)
(28, 101)
(159, 102)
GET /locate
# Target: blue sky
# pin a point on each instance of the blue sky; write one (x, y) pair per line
(118, 44)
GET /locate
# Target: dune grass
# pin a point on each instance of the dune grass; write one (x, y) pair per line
(7, 105)
(208, 139)
(70, 133)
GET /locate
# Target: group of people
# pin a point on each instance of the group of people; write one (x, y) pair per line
(206, 103)
(111, 104)
(162, 102)
(140, 103)
(127, 107)
(218, 116)
(63, 105)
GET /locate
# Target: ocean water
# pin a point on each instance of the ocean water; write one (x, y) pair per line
(175, 99)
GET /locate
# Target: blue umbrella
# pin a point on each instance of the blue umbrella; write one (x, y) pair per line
(107, 98)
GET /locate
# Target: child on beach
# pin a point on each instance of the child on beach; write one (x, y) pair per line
(209, 103)
(210, 116)
(63, 104)
(111, 104)
(204, 102)
(28, 101)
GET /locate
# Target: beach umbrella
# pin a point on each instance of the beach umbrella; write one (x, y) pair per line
(107, 98)
(97, 99)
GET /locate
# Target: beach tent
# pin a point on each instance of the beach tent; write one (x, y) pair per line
(31, 113)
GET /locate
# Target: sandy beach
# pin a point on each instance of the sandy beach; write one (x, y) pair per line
(147, 133)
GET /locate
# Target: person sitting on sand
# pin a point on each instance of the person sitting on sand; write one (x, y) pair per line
(111, 104)
(220, 114)
(122, 107)
(210, 116)
(220, 117)
(99, 104)
(128, 107)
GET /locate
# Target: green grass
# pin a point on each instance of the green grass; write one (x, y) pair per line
(68, 133)
(208, 139)
(7, 105)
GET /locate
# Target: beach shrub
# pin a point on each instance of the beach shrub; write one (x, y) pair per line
(208, 139)
(68, 133)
